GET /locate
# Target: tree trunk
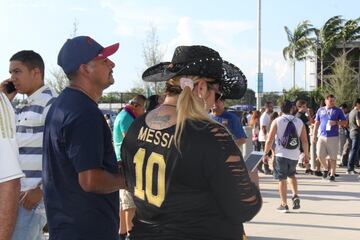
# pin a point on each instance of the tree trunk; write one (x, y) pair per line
(294, 74)
(321, 70)
(305, 74)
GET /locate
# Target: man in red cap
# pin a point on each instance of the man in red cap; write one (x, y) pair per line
(81, 177)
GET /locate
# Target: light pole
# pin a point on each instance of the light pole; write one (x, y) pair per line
(259, 92)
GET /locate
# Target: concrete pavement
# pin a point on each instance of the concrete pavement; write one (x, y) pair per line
(328, 211)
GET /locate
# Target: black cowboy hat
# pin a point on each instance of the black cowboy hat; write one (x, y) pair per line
(200, 61)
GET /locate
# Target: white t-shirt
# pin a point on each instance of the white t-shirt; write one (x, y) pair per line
(281, 124)
(9, 152)
(264, 121)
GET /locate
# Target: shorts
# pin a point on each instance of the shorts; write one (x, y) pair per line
(284, 168)
(126, 200)
(327, 146)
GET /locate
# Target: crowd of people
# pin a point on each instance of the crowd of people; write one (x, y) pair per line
(62, 165)
(320, 142)
(169, 167)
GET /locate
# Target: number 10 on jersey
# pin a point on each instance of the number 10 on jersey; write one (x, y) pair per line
(139, 191)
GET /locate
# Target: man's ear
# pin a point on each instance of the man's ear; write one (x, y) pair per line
(36, 74)
(83, 68)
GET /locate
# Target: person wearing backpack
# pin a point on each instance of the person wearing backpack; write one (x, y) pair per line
(287, 131)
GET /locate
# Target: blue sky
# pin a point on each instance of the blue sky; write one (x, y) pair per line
(227, 26)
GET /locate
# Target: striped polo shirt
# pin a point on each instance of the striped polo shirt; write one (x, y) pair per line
(30, 120)
(9, 154)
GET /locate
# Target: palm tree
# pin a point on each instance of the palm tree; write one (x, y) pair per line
(326, 39)
(299, 43)
(350, 31)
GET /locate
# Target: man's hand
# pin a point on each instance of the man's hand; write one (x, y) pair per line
(31, 198)
(314, 139)
(10, 96)
(265, 158)
(306, 158)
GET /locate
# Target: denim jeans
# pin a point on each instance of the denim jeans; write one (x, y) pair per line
(29, 224)
(354, 152)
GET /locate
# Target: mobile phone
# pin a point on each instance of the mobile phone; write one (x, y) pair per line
(9, 87)
(253, 160)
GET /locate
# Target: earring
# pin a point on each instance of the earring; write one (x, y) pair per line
(205, 105)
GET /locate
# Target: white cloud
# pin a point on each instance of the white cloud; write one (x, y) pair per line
(132, 19)
(222, 32)
(222, 35)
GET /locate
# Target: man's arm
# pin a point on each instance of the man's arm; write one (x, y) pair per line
(240, 141)
(358, 119)
(304, 142)
(316, 127)
(263, 123)
(238, 131)
(101, 181)
(343, 123)
(271, 137)
(263, 128)
(9, 195)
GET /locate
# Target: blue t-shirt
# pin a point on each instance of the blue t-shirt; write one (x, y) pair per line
(121, 125)
(323, 115)
(232, 122)
(77, 138)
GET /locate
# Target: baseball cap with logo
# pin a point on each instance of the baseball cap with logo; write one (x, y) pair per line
(81, 50)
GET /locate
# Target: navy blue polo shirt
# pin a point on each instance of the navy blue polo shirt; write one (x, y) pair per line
(232, 122)
(77, 138)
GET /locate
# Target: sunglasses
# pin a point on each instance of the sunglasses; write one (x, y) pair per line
(218, 96)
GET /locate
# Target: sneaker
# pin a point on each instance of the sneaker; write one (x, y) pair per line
(283, 209)
(123, 236)
(318, 173)
(325, 175)
(296, 202)
(332, 179)
(309, 172)
(351, 172)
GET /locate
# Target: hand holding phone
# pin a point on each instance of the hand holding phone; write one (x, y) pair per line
(9, 88)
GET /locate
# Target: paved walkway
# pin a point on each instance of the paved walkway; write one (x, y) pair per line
(328, 211)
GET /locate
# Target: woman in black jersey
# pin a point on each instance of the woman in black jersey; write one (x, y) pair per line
(186, 174)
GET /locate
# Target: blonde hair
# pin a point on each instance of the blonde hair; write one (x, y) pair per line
(188, 106)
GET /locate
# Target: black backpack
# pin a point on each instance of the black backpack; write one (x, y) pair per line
(290, 139)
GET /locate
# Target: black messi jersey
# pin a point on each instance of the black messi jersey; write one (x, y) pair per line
(196, 194)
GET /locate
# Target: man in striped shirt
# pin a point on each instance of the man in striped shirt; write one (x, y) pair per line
(27, 75)
(10, 171)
